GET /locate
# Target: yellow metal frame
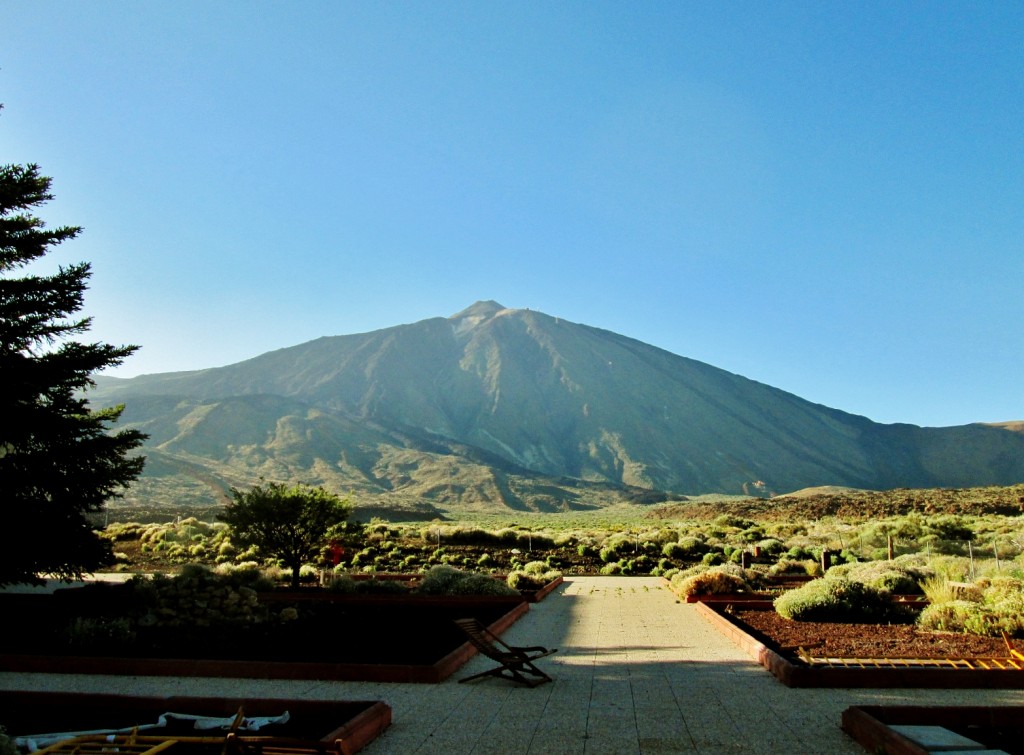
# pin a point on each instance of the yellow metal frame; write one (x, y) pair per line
(1014, 663)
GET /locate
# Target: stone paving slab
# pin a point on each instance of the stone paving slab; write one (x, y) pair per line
(637, 672)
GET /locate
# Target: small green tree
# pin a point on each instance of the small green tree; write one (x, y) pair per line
(288, 523)
(58, 459)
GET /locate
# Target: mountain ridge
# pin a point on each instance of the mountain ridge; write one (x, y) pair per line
(522, 393)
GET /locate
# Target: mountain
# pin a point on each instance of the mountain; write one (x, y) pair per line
(496, 407)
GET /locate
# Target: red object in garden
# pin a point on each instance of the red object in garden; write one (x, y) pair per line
(337, 552)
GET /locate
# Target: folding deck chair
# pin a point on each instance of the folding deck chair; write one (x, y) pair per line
(515, 661)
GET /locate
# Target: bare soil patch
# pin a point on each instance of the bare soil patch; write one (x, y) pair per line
(834, 640)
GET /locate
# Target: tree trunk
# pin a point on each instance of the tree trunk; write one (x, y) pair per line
(296, 568)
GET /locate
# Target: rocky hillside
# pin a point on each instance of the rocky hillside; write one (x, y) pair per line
(496, 407)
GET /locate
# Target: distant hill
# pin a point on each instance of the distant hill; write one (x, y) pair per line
(816, 503)
(504, 408)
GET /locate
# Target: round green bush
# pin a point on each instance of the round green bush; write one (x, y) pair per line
(950, 616)
(770, 546)
(839, 600)
(711, 582)
(712, 559)
(673, 550)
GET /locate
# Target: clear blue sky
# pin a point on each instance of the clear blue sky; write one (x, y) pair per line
(827, 197)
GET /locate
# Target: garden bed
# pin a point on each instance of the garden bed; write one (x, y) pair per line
(411, 580)
(347, 637)
(775, 642)
(901, 729)
(341, 727)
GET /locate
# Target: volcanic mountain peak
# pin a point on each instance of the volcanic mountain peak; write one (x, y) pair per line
(466, 320)
(498, 389)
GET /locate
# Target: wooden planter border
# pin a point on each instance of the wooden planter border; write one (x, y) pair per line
(799, 675)
(870, 724)
(349, 737)
(536, 596)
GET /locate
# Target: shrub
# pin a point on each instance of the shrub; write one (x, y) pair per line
(446, 580)
(812, 567)
(752, 534)
(673, 550)
(771, 546)
(940, 590)
(836, 599)
(100, 632)
(989, 607)
(380, 587)
(789, 566)
(902, 576)
(1001, 590)
(536, 540)
(611, 569)
(341, 583)
(712, 559)
(246, 574)
(199, 597)
(949, 616)
(711, 582)
(533, 576)
(692, 546)
(641, 564)
(731, 520)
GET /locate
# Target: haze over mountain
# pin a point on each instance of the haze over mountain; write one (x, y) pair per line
(496, 407)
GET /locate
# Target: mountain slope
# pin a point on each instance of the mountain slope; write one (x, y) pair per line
(521, 392)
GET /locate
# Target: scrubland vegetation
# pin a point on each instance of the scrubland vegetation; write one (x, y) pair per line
(968, 567)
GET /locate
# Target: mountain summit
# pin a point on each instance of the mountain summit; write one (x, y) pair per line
(511, 407)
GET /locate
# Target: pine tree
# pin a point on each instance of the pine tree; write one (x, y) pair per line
(59, 460)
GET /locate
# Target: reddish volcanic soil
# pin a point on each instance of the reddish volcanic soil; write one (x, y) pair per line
(868, 640)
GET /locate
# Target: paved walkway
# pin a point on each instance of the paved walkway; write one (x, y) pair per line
(636, 672)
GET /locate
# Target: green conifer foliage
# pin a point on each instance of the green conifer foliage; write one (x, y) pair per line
(59, 460)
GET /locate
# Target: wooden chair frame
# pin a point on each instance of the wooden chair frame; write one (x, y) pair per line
(516, 662)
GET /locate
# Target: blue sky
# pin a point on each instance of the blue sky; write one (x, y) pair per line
(826, 197)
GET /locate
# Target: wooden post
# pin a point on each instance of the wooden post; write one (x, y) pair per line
(826, 559)
(890, 548)
(745, 559)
